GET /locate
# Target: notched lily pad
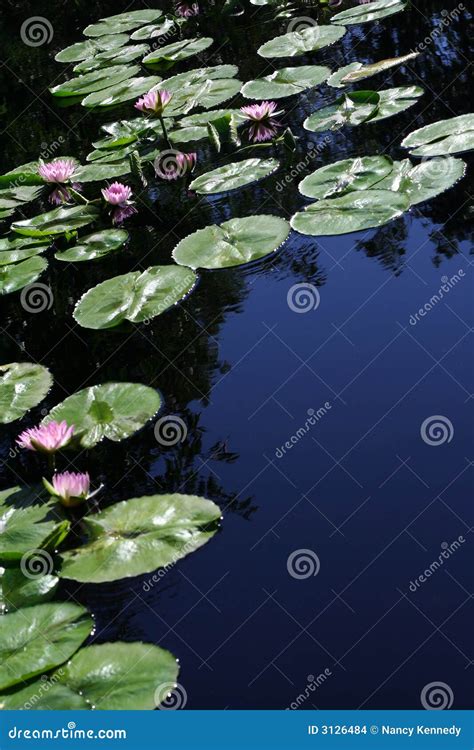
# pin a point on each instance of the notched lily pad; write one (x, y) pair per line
(233, 176)
(346, 176)
(296, 43)
(369, 12)
(23, 385)
(15, 276)
(178, 50)
(59, 221)
(94, 246)
(286, 82)
(450, 136)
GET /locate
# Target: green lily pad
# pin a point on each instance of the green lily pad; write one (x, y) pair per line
(94, 246)
(336, 79)
(450, 136)
(23, 385)
(206, 94)
(233, 176)
(286, 82)
(369, 12)
(350, 109)
(120, 56)
(346, 176)
(19, 590)
(151, 31)
(396, 100)
(232, 243)
(122, 22)
(362, 209)
(18, 275)
(59, 221)
(8, 257)
(36, 639)
(111, 156)
(296, 43)
(26, 174)
(87, 49)
(99, 171)
(106, 677)
(135, 296)
(140, 535)
(203, 118)
(98, 80)
(122, 92)
(426, 180)
(178, 50)
(111, 410)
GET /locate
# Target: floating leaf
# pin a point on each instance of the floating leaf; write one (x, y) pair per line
(454, 135)
(394, 101)
(122, 92)
(122, 22)
(87, 49)
(233, 176)
(336, 79)
(108, 677)
(95, 81)
(19, 590)
(111, 156)
(369, 12)
(178, 50)
(27, 174)
(426, 180)
(206, 94)
(350, 109)
(112, 57)
(111, 410)
(346, 176)
(94, 246)
(140, 535)
(38, 638)
(59, 221)
(365, 71)
(151, 31)
(296, 43)
(286, 82)
(8, 257)
(232, 243)
(17, 275)
(98, 171)
(23, 385)
(362, 209)
(135, 296)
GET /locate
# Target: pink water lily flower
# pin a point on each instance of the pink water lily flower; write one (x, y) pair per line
(264, 125)
(173, 164)
(186, 10)
(46, 438)
(70, 488)
(58, 172)
(154, 102)
(119, 196)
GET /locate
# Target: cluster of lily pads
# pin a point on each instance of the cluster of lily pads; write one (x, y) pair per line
(122, 61)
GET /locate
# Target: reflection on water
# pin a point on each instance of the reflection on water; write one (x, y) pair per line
(233, 364)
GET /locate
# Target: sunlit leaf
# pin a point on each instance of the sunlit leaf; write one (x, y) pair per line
(23, 385)
(233, 176)
(59, 221)
(369, 12)
(18, 275)
(296, 43)
(178, 50)
(286, 82)
(94, 246)
(346, 176)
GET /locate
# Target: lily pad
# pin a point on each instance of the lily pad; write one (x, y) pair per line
(122, 22)
(346, 176)
(95, 81)
(18, 275)
(19, 590)
(356, 71)
(94, 246)
(151, 31)
(369, 12)
(122, 92)
(23, 385)
(98, 171)
(111, 410)
(426, 180)
(362, 209)
(232, 243)
(120, 56)
(206, 94)
(87, 49)
(38, 638)
(140, 535)
(450, 136)
(350, 109)
(108, 677)
(26, 174)
(14, 249)
(59, 221)
(233, 176)
(286, 82)
(396, 100)
(136, 296)
(178, 50)
(296, 43)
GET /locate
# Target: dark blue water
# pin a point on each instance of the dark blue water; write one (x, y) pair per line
(373, 503)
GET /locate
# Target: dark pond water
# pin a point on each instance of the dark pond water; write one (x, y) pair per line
(361, 490)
